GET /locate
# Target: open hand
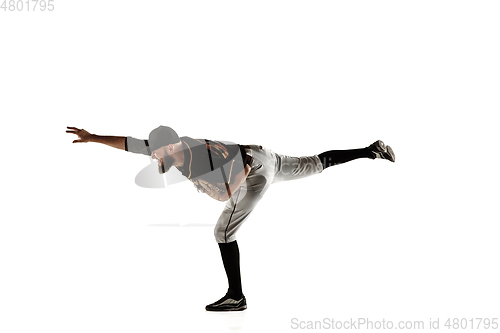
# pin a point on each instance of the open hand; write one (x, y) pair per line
(83, 135)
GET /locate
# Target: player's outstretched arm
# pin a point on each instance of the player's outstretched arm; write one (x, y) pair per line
(84, 136)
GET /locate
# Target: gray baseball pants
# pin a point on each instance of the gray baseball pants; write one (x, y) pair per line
(268, 167)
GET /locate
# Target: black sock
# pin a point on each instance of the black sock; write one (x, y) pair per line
(231, 258)
(334, 157)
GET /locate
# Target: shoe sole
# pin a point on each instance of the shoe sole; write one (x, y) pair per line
(392, 156)
(241, 308)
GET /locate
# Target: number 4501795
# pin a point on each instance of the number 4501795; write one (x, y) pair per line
(27, 5)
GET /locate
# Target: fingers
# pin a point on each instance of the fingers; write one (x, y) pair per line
(73, 129)
(76, 131)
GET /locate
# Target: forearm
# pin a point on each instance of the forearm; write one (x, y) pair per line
(112, 141)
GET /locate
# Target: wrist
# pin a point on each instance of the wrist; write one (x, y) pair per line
(93, 138)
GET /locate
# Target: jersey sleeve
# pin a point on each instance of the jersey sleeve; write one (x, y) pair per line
(137, 146)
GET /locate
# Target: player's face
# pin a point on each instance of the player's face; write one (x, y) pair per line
(165, 160)
(159, 153)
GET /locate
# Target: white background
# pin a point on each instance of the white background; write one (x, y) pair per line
(83, 249)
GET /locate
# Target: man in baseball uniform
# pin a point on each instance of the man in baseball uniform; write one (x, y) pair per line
(236, 174)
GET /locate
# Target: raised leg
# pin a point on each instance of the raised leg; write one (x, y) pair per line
(376, 150)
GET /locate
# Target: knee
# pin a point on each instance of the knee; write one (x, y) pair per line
(222, 238)
(219, 234)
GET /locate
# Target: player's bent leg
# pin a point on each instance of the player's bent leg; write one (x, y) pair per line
(235, 212)
(238, 208)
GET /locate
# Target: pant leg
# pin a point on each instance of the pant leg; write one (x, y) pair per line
(267, 167)
(291, 168)
(242, 203)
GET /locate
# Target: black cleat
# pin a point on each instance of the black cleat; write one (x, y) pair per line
(380, 150)
(228, 303)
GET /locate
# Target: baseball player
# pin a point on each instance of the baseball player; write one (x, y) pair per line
(236, 174)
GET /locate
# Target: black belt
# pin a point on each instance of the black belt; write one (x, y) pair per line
(251, 146)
